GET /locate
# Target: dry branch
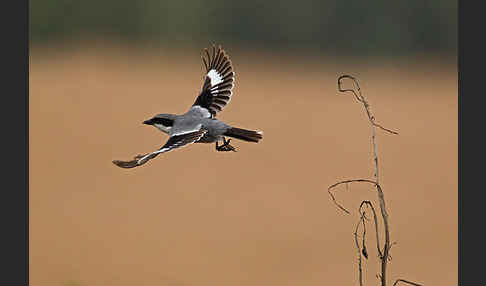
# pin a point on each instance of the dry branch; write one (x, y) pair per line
(384, 253)
(375, 219)
(346, 182)
(405, 281)
(360, 269)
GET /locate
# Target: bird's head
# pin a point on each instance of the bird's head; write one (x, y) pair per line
(163, 122)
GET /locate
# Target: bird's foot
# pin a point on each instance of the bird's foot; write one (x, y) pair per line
(226, 146)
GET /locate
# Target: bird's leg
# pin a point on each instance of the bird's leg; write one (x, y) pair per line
(226, 146)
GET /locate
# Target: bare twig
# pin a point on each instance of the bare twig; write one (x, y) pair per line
(383, 254)
(345, 182)
(359, 97)
(405, 281)
(360, 269)
(351, 181)
(364, 251)
(370, 205)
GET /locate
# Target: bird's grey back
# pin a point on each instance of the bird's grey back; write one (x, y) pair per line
(167, 116)
(193, 120)
(214, 126)
(185, 124)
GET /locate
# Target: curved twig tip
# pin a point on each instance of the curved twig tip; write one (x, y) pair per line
(358, 97)
(345, 182)
(406, 281)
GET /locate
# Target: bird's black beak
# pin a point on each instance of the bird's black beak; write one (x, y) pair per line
(148, 122)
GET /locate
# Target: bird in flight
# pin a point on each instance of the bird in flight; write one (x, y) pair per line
(199, 124)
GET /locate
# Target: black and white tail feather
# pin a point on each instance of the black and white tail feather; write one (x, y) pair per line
(244, 134)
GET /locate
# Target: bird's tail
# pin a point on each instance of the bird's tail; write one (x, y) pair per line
(243, 134)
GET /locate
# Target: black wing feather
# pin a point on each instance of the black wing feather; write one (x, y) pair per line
(174, 142)
(218, 83)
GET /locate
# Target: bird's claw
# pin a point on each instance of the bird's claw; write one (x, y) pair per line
(226, 146)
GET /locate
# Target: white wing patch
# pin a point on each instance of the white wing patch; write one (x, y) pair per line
(215, 77)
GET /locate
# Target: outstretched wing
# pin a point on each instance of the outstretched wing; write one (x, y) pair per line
(174, 142)
(219, 81)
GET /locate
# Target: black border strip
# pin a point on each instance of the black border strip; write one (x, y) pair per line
(14, 209)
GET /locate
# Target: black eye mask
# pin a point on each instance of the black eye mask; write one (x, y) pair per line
(162, 121)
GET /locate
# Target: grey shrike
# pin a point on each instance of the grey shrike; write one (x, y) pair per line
(199, 125)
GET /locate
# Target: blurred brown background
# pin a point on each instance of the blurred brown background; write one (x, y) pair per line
(261, 216)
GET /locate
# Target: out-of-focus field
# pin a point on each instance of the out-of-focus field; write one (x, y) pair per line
(260, 216)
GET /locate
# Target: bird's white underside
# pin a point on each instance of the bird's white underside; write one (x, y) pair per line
(165, 129)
